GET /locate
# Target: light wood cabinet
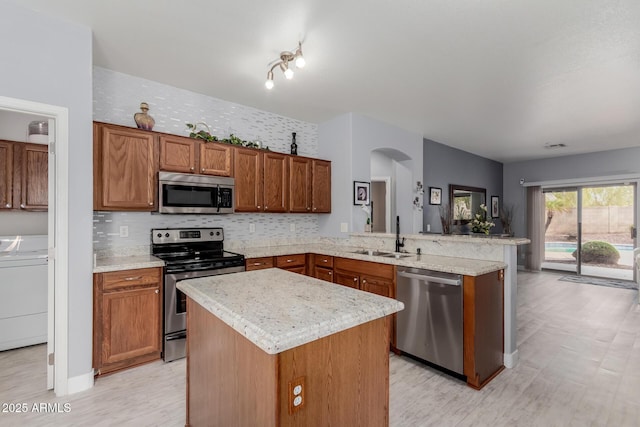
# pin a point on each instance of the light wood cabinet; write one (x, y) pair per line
(178, 154)
(6, 175)
(248, 183)
(24, 176)
(216, 159)
(125, 169)
(310, 185)
(321, 186)
(300, 184)
(127, 318)
(294, 263)
(483, 324)
(276, 182)
(34, 194)
(258, 263)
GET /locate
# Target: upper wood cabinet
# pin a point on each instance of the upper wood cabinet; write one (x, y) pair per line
(300, 184)
(34, 193)
(321, 186)
(24, 176)
(178, 154)
(276, 182)
(125, 169)
(188, 155)
(248, 183)
(6, 175)
(216, 159)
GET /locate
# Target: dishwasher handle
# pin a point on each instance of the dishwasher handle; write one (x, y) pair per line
(425, 278)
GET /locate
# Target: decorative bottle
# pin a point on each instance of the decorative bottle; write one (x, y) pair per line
(143, 120)
(294, 146)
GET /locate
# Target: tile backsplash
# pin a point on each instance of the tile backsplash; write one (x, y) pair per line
(117, 97)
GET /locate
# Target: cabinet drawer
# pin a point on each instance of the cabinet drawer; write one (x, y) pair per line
(127, 278)
(325, 274)
(258, 263)
(323, 261)
(286, 261)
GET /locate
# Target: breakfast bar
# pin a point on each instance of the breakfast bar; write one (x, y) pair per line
(271, 347)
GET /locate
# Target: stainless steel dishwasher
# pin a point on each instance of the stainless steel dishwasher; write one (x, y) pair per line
(430, 326)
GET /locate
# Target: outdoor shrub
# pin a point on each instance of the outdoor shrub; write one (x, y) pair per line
(597, 252)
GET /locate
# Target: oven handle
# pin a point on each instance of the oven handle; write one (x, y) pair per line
(176, 336)
(177, 276)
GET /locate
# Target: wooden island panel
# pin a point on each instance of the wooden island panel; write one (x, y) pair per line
(230, 381)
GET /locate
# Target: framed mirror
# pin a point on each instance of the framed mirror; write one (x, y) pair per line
(465, 202)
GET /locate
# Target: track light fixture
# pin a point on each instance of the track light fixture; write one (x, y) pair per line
(285, 58)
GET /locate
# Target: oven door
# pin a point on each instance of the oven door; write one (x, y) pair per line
(175, 310)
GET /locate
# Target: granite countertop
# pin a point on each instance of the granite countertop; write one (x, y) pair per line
(465, 266)
(278, 310)
(130, 262)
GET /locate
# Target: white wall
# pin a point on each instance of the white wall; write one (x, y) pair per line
(49, 61)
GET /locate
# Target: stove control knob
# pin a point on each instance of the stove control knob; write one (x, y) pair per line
(159, 234)
(166, 235)
(211, 233)
(217, 233)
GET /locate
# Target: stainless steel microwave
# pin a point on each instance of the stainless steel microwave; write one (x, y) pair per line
(195, 194)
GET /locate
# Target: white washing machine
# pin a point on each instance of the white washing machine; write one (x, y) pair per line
(23, 291)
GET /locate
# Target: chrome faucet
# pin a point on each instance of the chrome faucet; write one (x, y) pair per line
(399, 244)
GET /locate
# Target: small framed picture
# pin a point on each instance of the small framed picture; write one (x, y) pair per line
(361, 194)
(495, 207)
(435, 196)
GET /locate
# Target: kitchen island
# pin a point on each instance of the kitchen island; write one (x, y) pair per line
(271, 347)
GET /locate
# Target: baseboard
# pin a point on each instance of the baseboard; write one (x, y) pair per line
(511, 359)
(80, 383)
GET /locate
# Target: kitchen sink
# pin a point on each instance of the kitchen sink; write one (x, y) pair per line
(396, 255)
(371, 252)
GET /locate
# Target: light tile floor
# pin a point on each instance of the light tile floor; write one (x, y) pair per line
(579, 365)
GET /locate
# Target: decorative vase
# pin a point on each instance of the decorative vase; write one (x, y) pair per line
(144, 120)
(294, 146)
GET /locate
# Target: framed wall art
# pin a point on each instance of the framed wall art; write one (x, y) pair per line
(435, 196)
(495, 207)
(361, 193)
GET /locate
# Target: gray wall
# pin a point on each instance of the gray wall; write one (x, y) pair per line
(574, 167)
(49, 61)
(444, 165)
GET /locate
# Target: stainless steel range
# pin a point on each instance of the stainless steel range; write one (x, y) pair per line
(188, 253)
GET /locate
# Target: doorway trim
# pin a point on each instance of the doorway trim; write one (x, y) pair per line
(387, 196)
(58, 216)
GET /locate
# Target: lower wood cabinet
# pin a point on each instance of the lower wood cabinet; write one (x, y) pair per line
(127, 318)
(483, 308)
(294, 263)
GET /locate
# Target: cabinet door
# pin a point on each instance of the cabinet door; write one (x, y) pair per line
(321, 186)
(126, 167)
(177, 154)
(216, 159)
(248, 180)
(300, 270)
(276, 182)
(35, 177)
(6, 175)
(376, 285)
(322, 273)
(131, 325)
(299, 184)
(346, 279)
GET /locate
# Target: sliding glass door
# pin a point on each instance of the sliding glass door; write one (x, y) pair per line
(590, 230)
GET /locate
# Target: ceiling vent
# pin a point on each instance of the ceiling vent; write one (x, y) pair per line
(551, 146)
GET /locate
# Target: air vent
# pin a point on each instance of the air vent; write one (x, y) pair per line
(554, 145)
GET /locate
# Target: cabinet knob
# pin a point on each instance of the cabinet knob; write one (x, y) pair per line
(266, 207)
(8, 205)
(308, 208)
(192, 168)
(22, 205)
(364, 281)
(355, 279)
(150, 203)
(331, 273)
(202, 170)
(325, 260)
(157, 291)
(258, 206)
(315, 209)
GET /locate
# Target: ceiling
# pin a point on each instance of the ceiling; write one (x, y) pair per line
(496, 78)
